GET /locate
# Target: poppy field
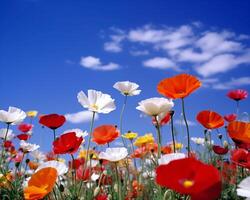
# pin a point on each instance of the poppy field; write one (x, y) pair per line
(85, 165)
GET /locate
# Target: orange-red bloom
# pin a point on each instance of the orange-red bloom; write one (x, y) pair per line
(239, 131)
(220, 150)
(210, 119)
(67, 143)
(105, 134)
(23, 136)
(230, 117)
(190, 177)
(241, 157)
(179, 86)
(52, 121)
(40, 184)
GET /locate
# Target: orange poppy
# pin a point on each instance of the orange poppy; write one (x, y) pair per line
(210, 119)
(40, 184)
(239, 131)
(105, 134)
(178, 86)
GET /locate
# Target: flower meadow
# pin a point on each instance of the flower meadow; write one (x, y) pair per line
(84, 165)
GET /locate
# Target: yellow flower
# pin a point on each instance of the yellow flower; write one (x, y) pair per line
(32, 113)
(83, 154)
(145, 139)
(130, 135)
(178, 146)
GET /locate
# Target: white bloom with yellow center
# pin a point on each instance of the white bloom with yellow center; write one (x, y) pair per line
(59, 166)
(28, 146)
(127, 88)
(96, 101)
(114, 154)
(167, 158)
(12, 116)
(155, 106)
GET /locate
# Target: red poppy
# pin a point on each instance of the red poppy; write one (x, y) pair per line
(76, 163)
(105, 134)
(23, 136)
(241, 157)
(220, 150)
(25, 127)
(210, 119)
(67, 143)
(179, 86)
(101, 197)
(199, 180)
(52, 121)
(163, 121)
(239, 131)
(8, 144)
(139, 152)
(237, 95)
(230, 117)
(83, 174)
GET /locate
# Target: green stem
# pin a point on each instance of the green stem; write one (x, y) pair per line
(133, 149)
(54, 134)
(5, 138)
(158, 136)
(172, 130)
(118, 182)
(237, 108)
(187, 128)
(121, 118)
(88, 146)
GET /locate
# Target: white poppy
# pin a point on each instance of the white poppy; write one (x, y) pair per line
(12, 116)
(155, 106)
(96, 101)
(3, 132)
(38, 155)
(114, 154)
(59, 166)
(79, 132)
(28, 146)
(167, 158)
(243, 189)
(127, 88)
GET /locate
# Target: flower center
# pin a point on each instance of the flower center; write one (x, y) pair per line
(188, 183)
(94, 106)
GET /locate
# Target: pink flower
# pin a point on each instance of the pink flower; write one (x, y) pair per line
(238, 94)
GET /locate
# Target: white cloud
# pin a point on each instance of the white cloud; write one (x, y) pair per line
(182, 123)
(234, 83)
(208, 51)
(139, 53)
(79, 117)
(222, 63)
(160, 63)
(94, 63)
(112, 47)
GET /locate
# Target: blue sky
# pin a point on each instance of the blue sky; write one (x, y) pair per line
(51, 49)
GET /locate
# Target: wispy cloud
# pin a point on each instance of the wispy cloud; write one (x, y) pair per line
(79, 117)
(233, 83)
(181, 122)
(139, 52)
(95, 63)
(160, 63)
(208, 51)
